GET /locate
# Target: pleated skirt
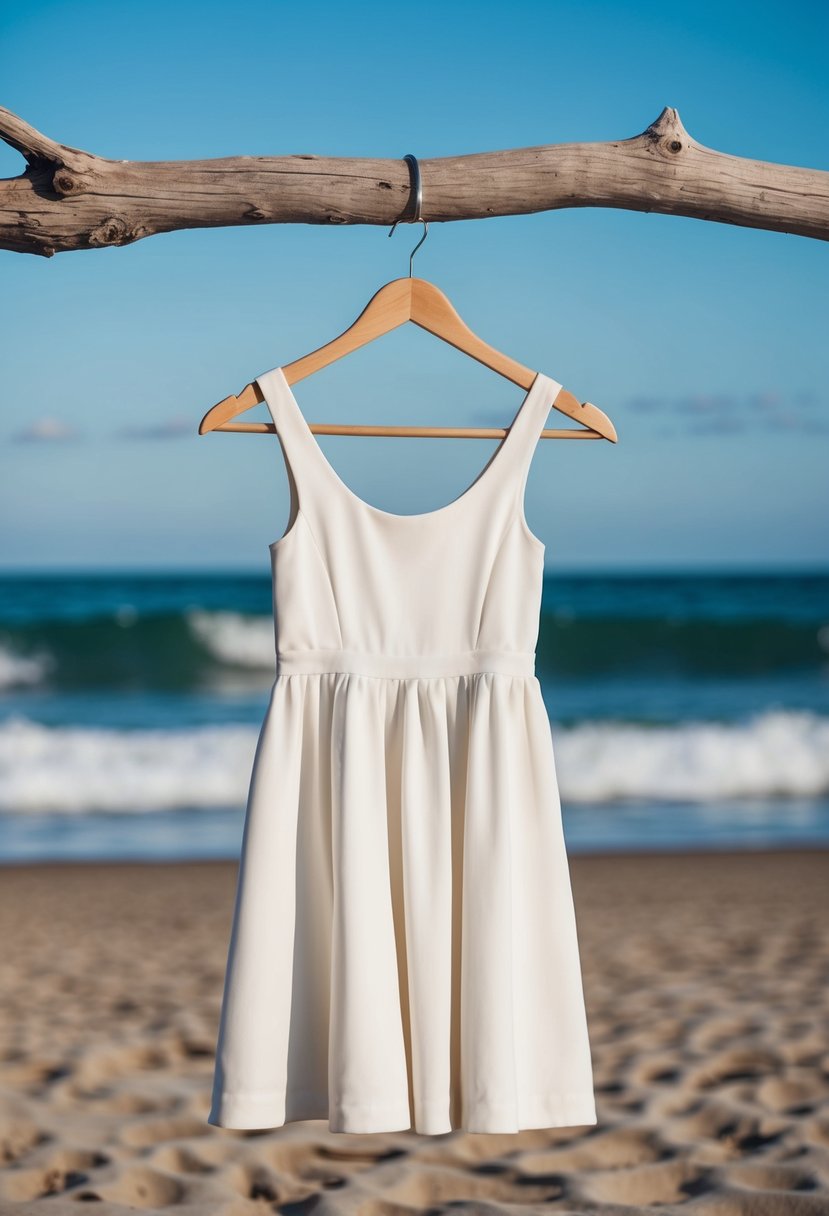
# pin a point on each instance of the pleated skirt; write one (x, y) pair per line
(403, 951)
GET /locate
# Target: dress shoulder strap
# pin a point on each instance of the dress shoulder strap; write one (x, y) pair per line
(295, 437)
(525, 431)
(523, 436)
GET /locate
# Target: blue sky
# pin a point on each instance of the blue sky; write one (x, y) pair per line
(705, 343)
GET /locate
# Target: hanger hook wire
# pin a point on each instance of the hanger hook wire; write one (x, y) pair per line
(417, 190)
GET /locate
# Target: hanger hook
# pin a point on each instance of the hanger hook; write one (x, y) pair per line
(417, 188)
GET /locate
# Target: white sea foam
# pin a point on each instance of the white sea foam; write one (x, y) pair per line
(73, 769)
(774, 754)
(244, 641)
(19, 669)
(77, 769)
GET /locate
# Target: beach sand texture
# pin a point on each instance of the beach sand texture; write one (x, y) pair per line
(707, 986)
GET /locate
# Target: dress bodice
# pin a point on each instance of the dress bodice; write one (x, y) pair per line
(461, 584)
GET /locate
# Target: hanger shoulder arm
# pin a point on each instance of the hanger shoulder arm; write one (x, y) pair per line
(585, 413)
(226, 409)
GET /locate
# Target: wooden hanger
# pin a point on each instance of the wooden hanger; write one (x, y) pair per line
(401, 300)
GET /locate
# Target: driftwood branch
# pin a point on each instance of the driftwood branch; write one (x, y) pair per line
(70, 199)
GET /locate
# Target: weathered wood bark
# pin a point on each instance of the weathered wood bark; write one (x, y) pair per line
(71, 199)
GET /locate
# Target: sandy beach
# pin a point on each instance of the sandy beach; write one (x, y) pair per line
(707, 986)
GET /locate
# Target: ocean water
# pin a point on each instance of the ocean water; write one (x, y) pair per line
(687, 710)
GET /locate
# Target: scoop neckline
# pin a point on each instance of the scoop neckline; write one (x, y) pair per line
(539, 381)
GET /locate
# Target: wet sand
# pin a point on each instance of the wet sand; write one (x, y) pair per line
(707, 986)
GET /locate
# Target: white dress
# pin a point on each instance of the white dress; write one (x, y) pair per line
(404, 950)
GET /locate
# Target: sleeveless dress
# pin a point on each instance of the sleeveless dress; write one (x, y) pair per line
(403, 951)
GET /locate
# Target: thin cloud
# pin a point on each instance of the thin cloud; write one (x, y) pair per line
(736, 413)
(172, 428)
(705, 403)
(645, 404)
(718, 426)
(56, 430)
(46, 430)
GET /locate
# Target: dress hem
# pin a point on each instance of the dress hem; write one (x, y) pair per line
(275, 1108)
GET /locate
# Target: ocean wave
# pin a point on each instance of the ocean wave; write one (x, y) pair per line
(231, 637)
(82, 769)
(198, 648)
(125, 649)
(775, 754)
(17, 670)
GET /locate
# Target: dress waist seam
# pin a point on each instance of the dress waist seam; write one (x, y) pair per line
(405, 666)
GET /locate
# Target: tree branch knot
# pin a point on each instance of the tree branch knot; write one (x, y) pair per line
(667, 132)
(64, 182)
